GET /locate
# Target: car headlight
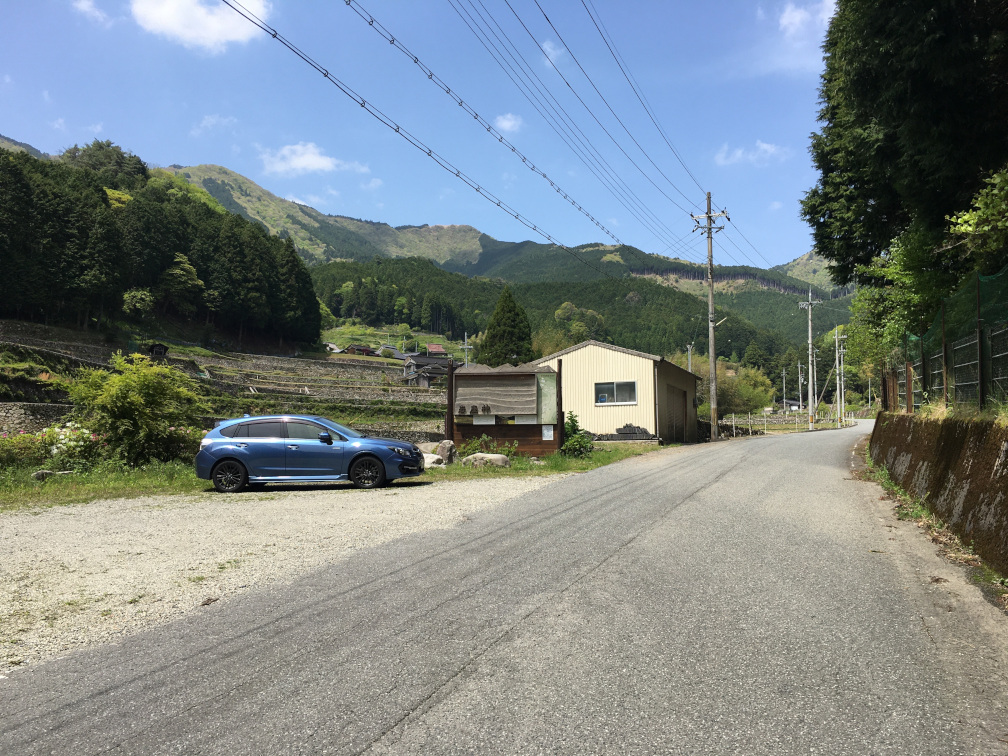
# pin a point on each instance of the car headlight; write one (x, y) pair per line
(204, 443)
(400, 450)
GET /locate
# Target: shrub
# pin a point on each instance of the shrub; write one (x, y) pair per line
(17, 449)
(577, 442)
(73, 447)
(141, 409)
(486, 445)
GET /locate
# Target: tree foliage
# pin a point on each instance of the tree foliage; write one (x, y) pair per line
(508, 337)
(140, 406)
(914, 107)
(78, 234)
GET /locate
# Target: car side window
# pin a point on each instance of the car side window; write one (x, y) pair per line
(230, 431)
(301, 429)
(240, 431)
(266, 429)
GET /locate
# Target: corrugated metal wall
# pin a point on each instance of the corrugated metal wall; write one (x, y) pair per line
(585, 367)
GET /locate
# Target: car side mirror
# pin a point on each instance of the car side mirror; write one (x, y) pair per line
(325, 438)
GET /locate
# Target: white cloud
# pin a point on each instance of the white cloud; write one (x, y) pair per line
(305, 157)
(45, 95)
(806, 23)
(295, 200)
(372, 185)
(775, 206)
(762, 154)
(211, 122)
(552, 51)
(88, 8)
(198, 23)
(59, 124)
(96, 128)
(509, 123)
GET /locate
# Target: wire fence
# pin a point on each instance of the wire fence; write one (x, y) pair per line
(963, 357)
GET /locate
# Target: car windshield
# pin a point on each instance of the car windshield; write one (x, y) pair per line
(341, 429)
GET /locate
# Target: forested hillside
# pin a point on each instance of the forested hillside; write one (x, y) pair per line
(633, 312)
(95, 234)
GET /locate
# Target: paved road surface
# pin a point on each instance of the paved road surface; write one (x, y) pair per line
(746, 597)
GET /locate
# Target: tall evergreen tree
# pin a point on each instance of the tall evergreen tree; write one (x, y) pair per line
(508, 336)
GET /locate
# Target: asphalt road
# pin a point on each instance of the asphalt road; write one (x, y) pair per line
(746, 597)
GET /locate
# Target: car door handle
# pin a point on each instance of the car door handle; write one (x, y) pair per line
(293, 446)
(242, 446)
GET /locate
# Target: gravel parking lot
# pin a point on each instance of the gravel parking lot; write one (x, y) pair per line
(93, 573)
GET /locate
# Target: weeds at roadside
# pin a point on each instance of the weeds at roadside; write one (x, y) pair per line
(992, 584)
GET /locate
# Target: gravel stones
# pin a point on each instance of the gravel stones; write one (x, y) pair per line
(73, 576)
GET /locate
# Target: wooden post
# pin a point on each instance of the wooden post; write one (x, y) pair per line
(909, 389)
(560, 412)
(449, 423)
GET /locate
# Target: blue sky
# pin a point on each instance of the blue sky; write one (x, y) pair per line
(732, 85)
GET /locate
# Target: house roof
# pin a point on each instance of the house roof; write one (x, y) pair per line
(436, 349)
(527, 369)
(614, 348)
(592, 342)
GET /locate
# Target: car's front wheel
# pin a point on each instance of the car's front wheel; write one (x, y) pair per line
(367, 472)
(229, 476)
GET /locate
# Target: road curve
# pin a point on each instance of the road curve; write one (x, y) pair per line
(742, 597)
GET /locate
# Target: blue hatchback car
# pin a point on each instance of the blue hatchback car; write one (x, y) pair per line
(251, 451)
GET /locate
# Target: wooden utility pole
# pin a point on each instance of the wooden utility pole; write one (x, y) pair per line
(710, 228)
(808, 306)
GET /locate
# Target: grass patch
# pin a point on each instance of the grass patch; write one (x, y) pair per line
(523, 467)
(18, 490)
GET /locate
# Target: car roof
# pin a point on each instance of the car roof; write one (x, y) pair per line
(248, 418)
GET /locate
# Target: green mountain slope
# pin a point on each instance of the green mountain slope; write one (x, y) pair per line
(322, 237)
(13, 145)
(810, 267)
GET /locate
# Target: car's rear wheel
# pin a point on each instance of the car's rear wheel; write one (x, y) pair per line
(367, 472)
(229, 476)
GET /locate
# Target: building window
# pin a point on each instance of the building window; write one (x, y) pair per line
(616, 392)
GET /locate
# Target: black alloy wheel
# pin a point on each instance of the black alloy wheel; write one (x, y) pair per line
(229, 476)
(367, 472)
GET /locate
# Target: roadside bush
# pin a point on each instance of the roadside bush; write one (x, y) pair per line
(72, 447)
(486, 445)
(21, 449)
(145, 410)
(577, 442)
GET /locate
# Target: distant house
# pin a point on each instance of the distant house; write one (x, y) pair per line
(157, 349)
(423, 370)
(360, 350)
(436, 350)
(617, 392)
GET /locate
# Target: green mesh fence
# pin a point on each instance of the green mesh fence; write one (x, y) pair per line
(966, 346)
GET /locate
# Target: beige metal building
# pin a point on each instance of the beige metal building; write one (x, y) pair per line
(610, 388)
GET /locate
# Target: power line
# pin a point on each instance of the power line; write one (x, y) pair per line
(501, 139)
(388, 122)
(539, 96)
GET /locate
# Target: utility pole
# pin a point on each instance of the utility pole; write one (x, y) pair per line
(466, 347)
(811, 398)
(783, 373)
(800, 381)
(815, 382)
(843, 379)
(710, 229)
(836, 347)
(689, 357)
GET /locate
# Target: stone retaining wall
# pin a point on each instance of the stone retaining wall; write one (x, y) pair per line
(960, 469)
(31, 418)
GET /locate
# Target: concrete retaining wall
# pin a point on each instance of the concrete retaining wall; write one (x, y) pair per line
(31, 418)
(959, 468)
